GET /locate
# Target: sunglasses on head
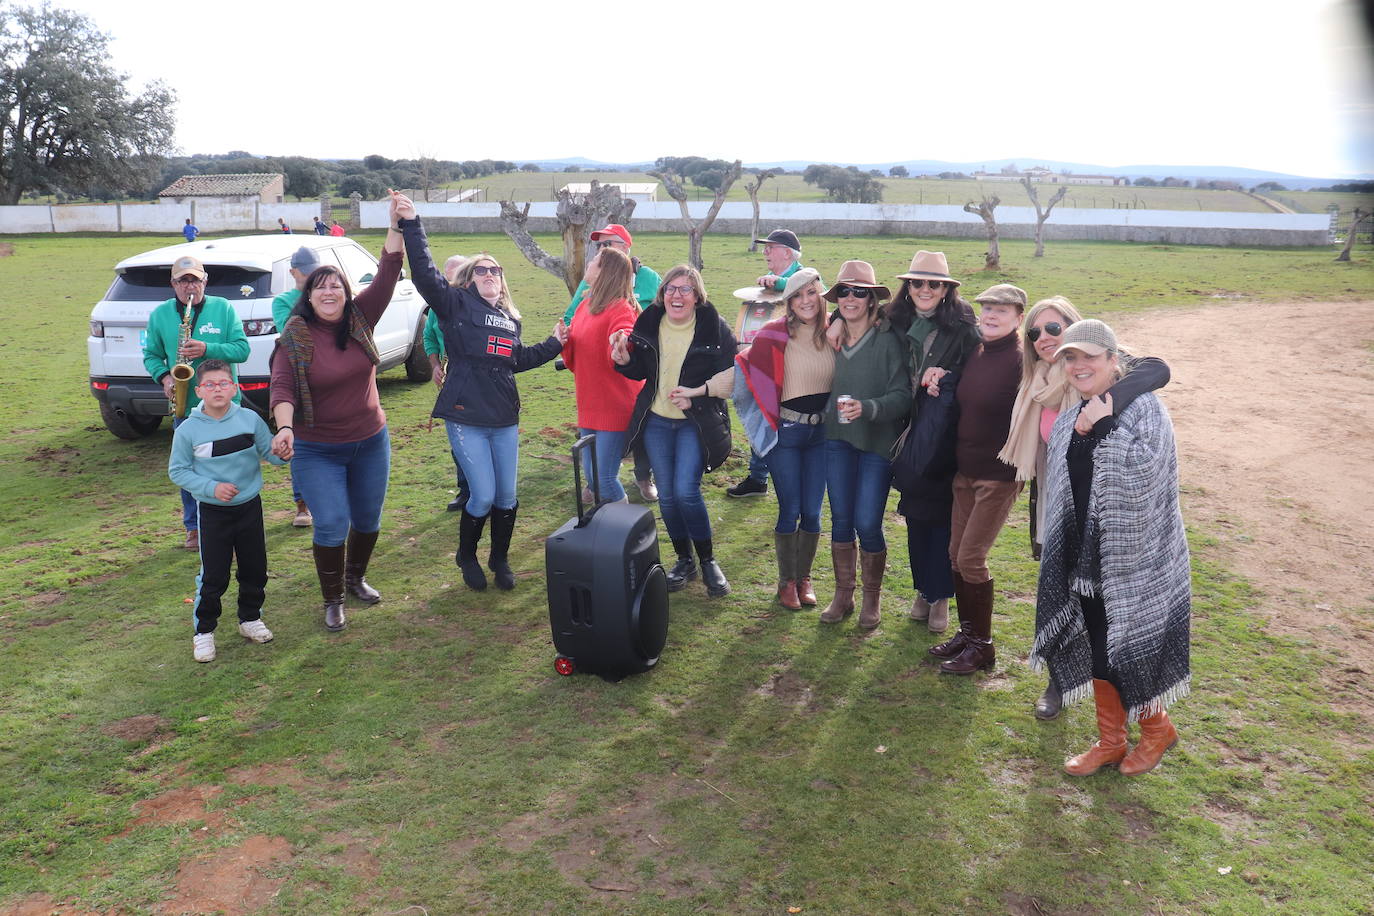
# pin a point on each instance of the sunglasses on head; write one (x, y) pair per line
(1052, 328)
(935, 285)
(858, 292)
(482, 270)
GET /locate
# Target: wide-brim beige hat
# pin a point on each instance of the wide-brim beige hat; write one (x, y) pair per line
(857, 273)
(929, 265)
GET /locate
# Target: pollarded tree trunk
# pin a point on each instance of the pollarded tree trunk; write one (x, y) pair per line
(1042, 215)
(579, 215)
(1360, 216)
(992, 260)
(753, 188)
(697, 230)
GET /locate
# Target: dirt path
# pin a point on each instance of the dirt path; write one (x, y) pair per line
(1273, 405)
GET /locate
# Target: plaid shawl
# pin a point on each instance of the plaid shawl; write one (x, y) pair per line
(761, 368)
(299, 347)
(1133, 553)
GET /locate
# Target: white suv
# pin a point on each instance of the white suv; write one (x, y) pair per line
(249, 271)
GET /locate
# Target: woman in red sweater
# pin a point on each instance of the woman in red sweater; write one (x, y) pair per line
(605, 398)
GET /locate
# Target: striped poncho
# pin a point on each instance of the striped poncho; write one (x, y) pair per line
(1133, 554)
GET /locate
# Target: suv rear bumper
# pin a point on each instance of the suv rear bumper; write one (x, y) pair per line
(144, 398)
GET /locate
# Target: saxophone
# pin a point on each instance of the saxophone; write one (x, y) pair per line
(182, 371)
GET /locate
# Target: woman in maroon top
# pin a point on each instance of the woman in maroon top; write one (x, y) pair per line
(984, 487)
(330, 421)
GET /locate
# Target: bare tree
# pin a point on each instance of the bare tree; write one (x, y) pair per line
(992, 260)
(579, 215)
(695, 230)
(753, 188)
(1042, 215)
(1360, 216)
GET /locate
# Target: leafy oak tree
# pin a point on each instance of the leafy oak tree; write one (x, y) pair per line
(67, 120)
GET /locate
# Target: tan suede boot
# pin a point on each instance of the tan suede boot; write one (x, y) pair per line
(844, 557)
(874, 566)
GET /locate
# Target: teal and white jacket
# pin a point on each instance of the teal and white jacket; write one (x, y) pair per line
(206, 452)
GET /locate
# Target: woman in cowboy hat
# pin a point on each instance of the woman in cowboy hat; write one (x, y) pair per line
(866, 412)
(940, 332)
(782, 384)
(1113, 605)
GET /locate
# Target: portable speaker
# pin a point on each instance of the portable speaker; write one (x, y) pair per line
(608, 594)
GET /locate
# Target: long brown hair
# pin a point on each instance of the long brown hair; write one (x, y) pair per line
(306, 309)
(615, 280)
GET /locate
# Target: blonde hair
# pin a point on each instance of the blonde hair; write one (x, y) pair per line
(464, 279)
(682, 270)
(793, 322)
(615, 279)
(1029, 356)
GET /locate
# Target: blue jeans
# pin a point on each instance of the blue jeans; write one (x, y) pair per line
(858, 483)
(488, 456)
(758, 467)
(610, 448)
(344, 484)
(797, 463)
(190, 512)
(675, 453)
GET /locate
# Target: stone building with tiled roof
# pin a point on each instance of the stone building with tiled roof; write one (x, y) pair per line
(264, 187)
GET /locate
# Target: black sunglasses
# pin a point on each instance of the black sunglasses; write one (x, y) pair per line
(858, 292)
(935, 285)
(1052, 328)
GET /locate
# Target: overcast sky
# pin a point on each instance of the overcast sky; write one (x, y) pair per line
(1174, 82)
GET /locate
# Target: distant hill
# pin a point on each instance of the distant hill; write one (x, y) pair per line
(1245, 176)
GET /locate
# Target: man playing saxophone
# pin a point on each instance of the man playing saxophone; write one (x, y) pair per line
(186, 329)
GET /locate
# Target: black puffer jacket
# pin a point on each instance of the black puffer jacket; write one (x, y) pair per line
(482, 343)
(712, 350)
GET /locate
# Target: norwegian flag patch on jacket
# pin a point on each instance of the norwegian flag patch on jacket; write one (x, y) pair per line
(499, 346)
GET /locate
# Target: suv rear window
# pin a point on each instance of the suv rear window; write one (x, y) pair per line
(153, 284)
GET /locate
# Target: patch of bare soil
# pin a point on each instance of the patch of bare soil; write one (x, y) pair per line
(267, 774)
(1273, 408)
(232, 881)
(6, 249)
(177, 806)
(136, 728)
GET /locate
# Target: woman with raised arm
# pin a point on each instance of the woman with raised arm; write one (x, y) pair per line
(479, 402)
(684, 353)
(1112, 614)
(330, 422)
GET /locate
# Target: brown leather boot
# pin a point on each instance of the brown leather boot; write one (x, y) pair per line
(978, 653)
(360, 544)
(785, 546)
(1110, 746)
(807, 541)
(329, 562)
(1157, 735)
(844, 557)
(874, 566)
(955, 644)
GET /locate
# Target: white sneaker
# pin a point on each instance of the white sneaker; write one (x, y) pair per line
(204, 644)
(255, 630)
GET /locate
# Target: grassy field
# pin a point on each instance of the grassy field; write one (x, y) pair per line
(429, 759)
(544, 186)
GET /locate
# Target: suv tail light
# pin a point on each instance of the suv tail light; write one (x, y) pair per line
(97, 328)
(256, 327)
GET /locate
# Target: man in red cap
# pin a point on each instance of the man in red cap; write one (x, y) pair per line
(615, 235)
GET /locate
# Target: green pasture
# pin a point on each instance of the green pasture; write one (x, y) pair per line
(428, 759)
(522, 186)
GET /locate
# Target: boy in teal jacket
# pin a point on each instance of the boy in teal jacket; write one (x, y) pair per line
(216, 333)
(216, 457)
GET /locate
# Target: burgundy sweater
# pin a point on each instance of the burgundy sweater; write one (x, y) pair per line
(343, 383)
(986, 393)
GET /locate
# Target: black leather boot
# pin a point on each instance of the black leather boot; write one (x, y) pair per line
(329, 562)
(360, 544)
(502, 526)
(711, 575)
(469, 536)
(685, 569)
